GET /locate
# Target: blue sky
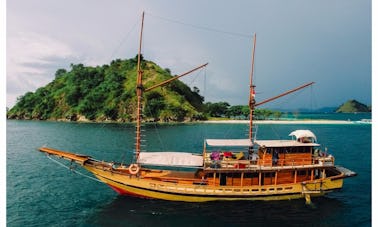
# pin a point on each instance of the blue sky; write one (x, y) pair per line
(328, 42)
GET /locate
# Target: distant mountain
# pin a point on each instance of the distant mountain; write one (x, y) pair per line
(353, 106)
(108, 93)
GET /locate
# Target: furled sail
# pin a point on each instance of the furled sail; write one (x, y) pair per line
(230, 142)
(171, 159)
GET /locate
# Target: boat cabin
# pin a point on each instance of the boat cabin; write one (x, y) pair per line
(285, 152)
(238, 162)
(301, 150)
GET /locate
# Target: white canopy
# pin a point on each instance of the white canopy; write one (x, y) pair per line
(284, 143)
(229, 142)
(303, 133)
(170, 159)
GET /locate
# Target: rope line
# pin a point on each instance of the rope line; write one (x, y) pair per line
(202, 27)
(64, 166)
(123, 40)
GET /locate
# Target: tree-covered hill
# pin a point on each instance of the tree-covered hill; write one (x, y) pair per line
(353, 106)
(108, 92)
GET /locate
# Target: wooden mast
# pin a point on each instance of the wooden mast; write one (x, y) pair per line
(174, 78)
(285, 93)
(252, 90)
(252, 101)
(139, 90)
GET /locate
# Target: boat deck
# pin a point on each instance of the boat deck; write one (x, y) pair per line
(248, 165)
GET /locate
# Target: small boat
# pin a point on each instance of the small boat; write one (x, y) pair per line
(363, 121)
(226, 169)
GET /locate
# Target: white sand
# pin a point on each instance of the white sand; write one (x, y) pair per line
(283, 121)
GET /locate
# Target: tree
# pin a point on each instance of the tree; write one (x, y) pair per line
(111, 112)
(246, 110)
(154, 104)
(108, 92)
(59, 73)
(235, 111)
(277, 114)
(216, 109)
(196, 90)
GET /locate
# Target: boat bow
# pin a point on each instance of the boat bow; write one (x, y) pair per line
(78, 158)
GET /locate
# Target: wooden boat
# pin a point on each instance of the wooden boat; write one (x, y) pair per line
(232, 169)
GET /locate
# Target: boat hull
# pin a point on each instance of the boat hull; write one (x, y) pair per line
(191, 187)
(155, 189)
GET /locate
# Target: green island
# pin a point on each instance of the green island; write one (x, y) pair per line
(353, 106)
(107, 93)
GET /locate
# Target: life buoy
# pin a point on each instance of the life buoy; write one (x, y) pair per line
(133, 169)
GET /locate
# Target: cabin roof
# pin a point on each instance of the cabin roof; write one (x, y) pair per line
(284, 143)
(183, 159)
(302, 134)
(229, 142)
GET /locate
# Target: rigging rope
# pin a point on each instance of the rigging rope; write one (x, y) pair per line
(127, 36)
(282, 102)
(204, 131)
(201, 27)
(195, 77)
(162, 144)
(158, 135)
(64, 166)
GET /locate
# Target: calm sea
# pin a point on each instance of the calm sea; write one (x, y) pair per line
(42, 193)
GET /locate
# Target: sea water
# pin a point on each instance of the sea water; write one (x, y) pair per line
(41, 192)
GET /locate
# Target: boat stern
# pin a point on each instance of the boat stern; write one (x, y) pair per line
(345, 173)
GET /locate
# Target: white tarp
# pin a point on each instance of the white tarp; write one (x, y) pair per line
(170, 159)
(229, 142)
(284, 143)
(303, 133)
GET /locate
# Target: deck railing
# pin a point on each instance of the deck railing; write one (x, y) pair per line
(282, 162)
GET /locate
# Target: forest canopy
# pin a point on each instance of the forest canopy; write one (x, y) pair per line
(108, 93)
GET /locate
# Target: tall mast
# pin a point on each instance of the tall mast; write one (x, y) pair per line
(139, 90)
(252, 90)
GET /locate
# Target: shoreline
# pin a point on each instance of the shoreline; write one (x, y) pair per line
(320, 121)
(262, 122)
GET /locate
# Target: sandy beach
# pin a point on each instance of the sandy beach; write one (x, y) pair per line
(310, 121)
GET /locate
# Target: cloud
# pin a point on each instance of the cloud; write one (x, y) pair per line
(32, 60)
(294, 44)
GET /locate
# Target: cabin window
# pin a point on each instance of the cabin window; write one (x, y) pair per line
(268, 178)
(306, 149)
(251, 175)
(223, 179)
(234, 175)
(298, 149)
(302, 173)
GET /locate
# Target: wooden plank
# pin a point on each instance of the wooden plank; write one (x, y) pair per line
(298, 159)
(64, 154)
